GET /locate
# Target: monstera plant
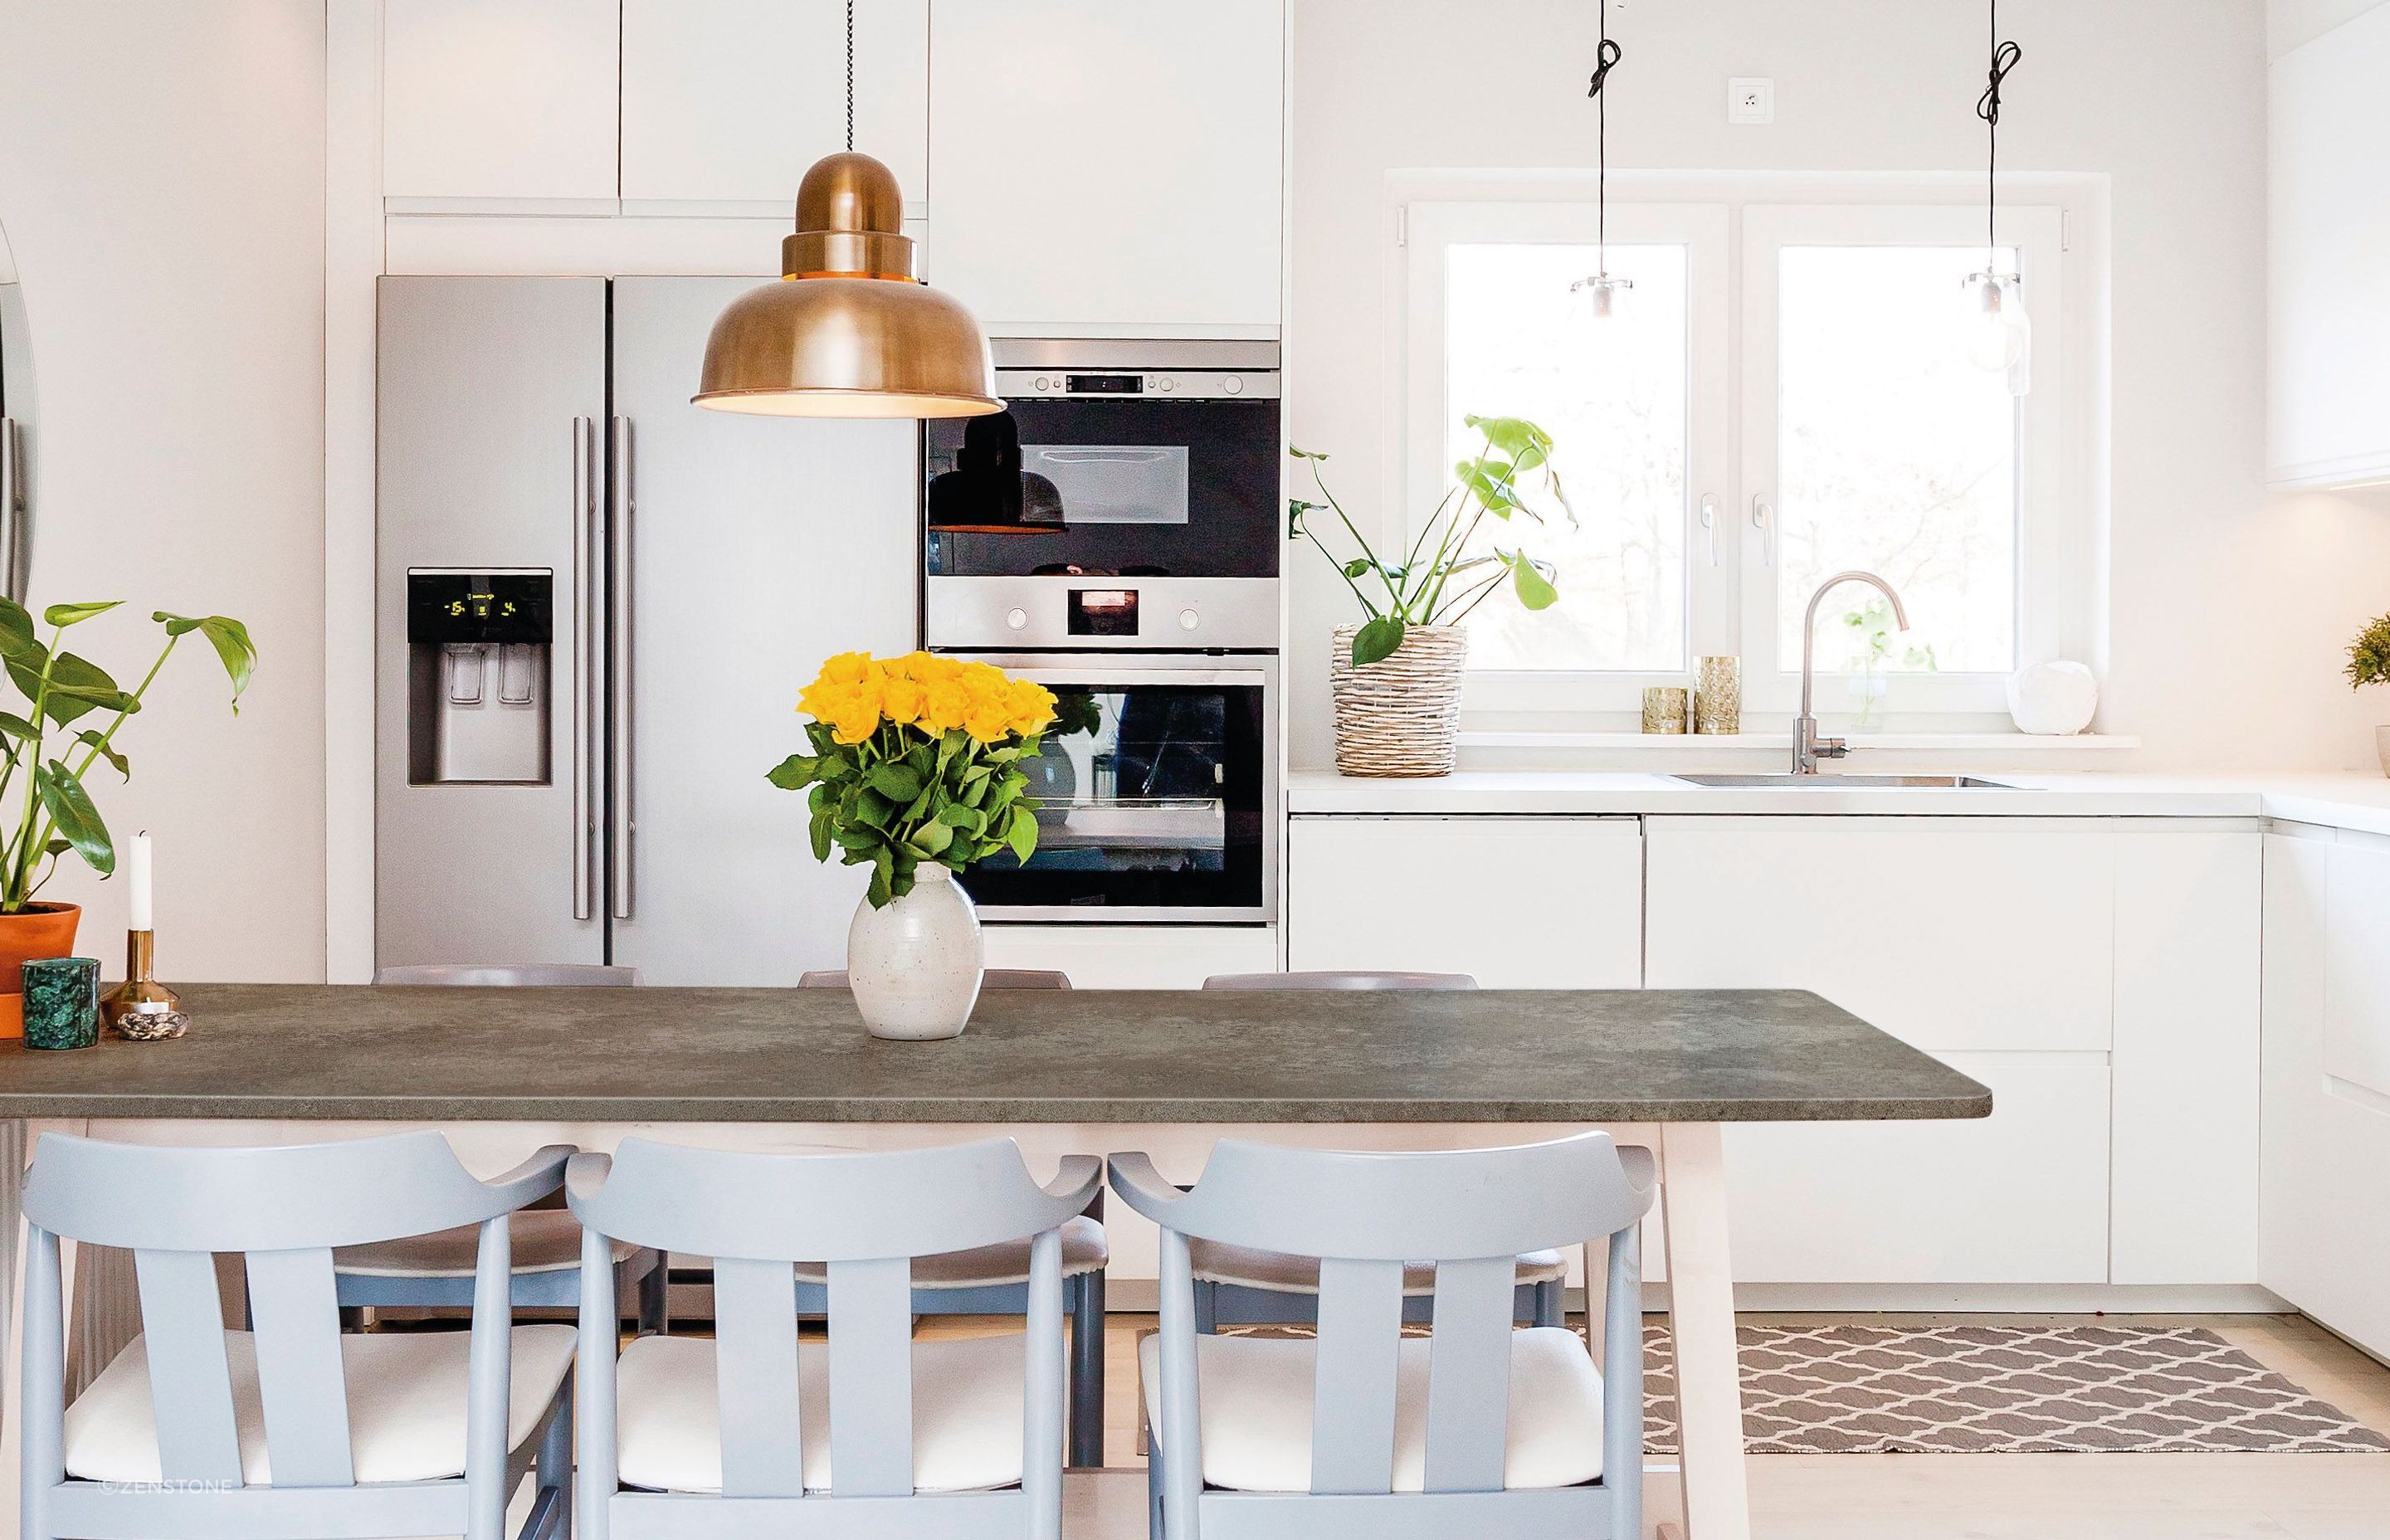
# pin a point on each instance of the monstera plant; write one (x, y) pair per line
(72, 712)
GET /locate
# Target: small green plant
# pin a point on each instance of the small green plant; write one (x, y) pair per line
(1872, 630)
(1420, 589)
(2368, 656)
(56, 815)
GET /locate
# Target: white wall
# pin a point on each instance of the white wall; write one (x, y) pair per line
(2227, 607)
(162, 175)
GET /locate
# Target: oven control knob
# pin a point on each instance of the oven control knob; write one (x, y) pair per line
(1164, 384)
(1043, 383)
(1188, 619)
(1017, 619)
(1234, 385)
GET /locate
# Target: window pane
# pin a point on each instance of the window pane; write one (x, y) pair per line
(1612, 393)
(1894, 455)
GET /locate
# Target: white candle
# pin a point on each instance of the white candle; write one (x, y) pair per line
(136, 874)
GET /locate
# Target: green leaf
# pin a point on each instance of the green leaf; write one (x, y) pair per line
(1377, 640)
(956, 816)
(791, 773)
(1512, 436)
(1357, 567)
(77, 686)
(70, 614)
(882, 873)
(933, 838)
(1485, 478)
(820, 833)
(896, 781)
(18, 643)
(1536, 591)
(1021, 834)
(1303, 453)
(70, 808)
(19, 728)
(230, 638)
(106, 751)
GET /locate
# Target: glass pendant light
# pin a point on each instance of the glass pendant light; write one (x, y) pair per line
(848, 331)
(1994, 331)
(1602, 288)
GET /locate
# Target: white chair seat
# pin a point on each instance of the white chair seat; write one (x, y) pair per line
(544, 1240)
(406, 1395)
(1247, 1268)
(1256, 1397)
(1084, 1250)
(967, 1394)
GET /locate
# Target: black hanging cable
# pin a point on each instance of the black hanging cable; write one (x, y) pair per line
(1604, 57)
(849, 76)
(1987, 107)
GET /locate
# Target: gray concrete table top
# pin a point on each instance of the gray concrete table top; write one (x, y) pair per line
(292, 1051)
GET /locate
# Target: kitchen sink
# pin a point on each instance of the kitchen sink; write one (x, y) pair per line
(1780, 781)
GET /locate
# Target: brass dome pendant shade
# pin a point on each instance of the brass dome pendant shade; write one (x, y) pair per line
(849, 331)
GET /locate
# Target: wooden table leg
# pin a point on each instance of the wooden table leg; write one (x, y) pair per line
(1700, 1313)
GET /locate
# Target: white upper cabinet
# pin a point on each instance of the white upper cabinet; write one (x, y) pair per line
(511, 102)
(2329, 304)
(726, 102)
(1100, 168)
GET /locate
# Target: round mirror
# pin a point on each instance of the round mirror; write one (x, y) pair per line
(15, 431)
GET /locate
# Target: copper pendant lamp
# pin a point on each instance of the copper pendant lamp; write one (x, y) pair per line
(849, 330)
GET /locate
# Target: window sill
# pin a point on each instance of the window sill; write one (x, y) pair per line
(1679, 743)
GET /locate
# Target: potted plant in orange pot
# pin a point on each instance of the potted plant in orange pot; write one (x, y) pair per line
(45, 810)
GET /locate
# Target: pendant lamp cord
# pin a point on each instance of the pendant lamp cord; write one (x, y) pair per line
(1987, 107)
(1606, 55)
(849, 76)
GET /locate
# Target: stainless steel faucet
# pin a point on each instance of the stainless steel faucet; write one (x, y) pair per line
(1807, 747)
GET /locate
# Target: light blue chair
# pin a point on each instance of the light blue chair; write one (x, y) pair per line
(436, 1271)
(291, 1430)
(994, 1281)
(1240, 1286)
(870, 1434)
(1362, 1433)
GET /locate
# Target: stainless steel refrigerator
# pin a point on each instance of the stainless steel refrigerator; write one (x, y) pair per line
(597, 605)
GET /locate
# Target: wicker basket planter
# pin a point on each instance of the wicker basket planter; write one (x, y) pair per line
(1399, 715)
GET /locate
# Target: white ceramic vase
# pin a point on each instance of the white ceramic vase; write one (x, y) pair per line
(2381, 748)
(915, 966)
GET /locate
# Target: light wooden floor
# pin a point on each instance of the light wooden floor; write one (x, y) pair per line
(1964, 1496)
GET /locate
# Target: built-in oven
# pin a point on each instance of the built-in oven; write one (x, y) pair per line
(1157, 788)
(1127, 495)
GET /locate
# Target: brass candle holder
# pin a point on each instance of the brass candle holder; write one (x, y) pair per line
(141, 1008)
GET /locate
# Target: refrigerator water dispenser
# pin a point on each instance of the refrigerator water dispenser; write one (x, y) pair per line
(477, 676)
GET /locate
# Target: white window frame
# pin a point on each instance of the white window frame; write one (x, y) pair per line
(2052, 547)
(1701, 229)
(1732, 239)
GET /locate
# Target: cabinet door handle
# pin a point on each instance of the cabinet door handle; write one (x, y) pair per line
(1762, 519)
(618, 743)
(586, 698)
(15, 556)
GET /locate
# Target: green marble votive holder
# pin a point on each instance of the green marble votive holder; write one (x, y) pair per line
(62, 1003)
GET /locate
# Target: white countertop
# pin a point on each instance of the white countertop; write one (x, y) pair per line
(2351, 801)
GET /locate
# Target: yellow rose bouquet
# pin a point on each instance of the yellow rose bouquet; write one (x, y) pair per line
(918, 759)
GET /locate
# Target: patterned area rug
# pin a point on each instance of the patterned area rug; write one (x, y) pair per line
(1970, 1389)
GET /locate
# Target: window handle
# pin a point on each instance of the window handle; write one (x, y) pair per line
(1709, 524)
(1762, 519)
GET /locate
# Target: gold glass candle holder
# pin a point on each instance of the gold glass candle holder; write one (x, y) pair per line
(1664, 709)
(141, 1007)
(1717, 696)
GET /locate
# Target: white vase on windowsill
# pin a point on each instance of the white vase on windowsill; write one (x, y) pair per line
(2381, 748)
(915, 966)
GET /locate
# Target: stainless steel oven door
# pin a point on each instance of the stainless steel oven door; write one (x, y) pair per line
(1159, 787)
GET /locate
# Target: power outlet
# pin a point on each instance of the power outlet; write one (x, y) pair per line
(1749, 99)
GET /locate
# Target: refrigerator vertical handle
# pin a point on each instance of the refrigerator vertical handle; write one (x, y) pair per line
(14, 556)
(585, 567)
(623, 830)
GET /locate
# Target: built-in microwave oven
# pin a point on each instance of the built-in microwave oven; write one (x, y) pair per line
(1127, 496)
(1157, 788)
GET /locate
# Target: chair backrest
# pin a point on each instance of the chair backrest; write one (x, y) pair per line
(993, 978)
(1339, 979)
(507, 975)
(285, 1208)
(1365, 1214)
(866, 1215)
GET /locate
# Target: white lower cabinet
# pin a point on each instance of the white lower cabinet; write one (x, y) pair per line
(2325, 1235)
(1518, 902)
